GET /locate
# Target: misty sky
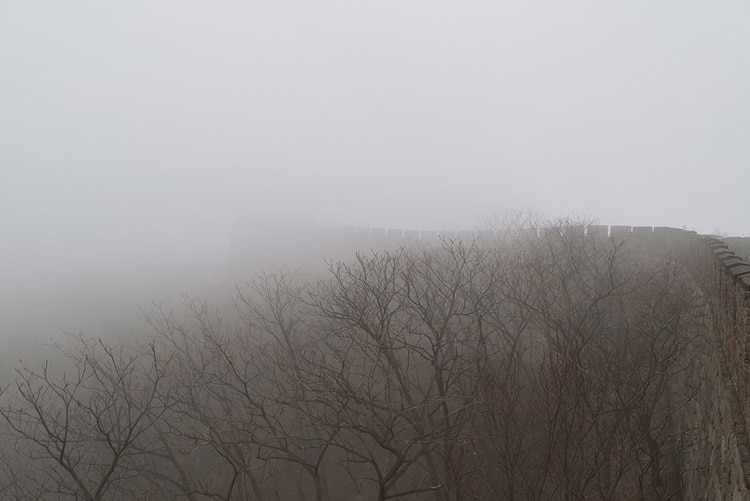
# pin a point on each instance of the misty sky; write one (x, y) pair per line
(129, 128)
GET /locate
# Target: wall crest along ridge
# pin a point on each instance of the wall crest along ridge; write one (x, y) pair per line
(716, 464)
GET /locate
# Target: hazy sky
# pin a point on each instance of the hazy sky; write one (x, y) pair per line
(132, 126)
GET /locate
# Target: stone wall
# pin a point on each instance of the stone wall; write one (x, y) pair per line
(256, 246)
(740, 246)
(726, 279)
(710, 435)
(711, 428)
(722, 406)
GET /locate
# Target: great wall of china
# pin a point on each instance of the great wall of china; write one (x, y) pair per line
(716, 422)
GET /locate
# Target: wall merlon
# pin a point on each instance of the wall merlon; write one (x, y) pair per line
(328, 229)
(729, 262)
(597, 230)
(722, 254)
(741, 270)
(579, 230)
(620, 232)
(643, 231)
(429, 236)
(394, 234)
(411, 235)
(664, 230)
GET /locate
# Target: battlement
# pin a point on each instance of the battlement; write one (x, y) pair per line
(399, 234)
(717, 465)
(719, 370)
(257, 247)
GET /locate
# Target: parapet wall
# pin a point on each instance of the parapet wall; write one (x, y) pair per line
(727, 277)
(717, 464)
(258, 247)
(395, 234)
(724, 275)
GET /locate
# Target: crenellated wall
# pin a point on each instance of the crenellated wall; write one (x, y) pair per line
(725, 278)
(716, 462)
(713, 426)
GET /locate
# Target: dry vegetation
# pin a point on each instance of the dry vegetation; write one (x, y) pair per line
(536, 367)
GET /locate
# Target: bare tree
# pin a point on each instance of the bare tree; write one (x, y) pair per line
(246, 399)
(409, 335)
(590, 418)
(531, 367)
(81, 429)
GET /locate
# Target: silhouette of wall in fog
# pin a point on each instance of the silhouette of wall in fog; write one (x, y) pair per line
(716, 465)
(258, 246)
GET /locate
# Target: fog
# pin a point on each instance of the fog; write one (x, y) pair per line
(135, 137)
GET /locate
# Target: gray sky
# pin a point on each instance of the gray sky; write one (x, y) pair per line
(133, 128)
